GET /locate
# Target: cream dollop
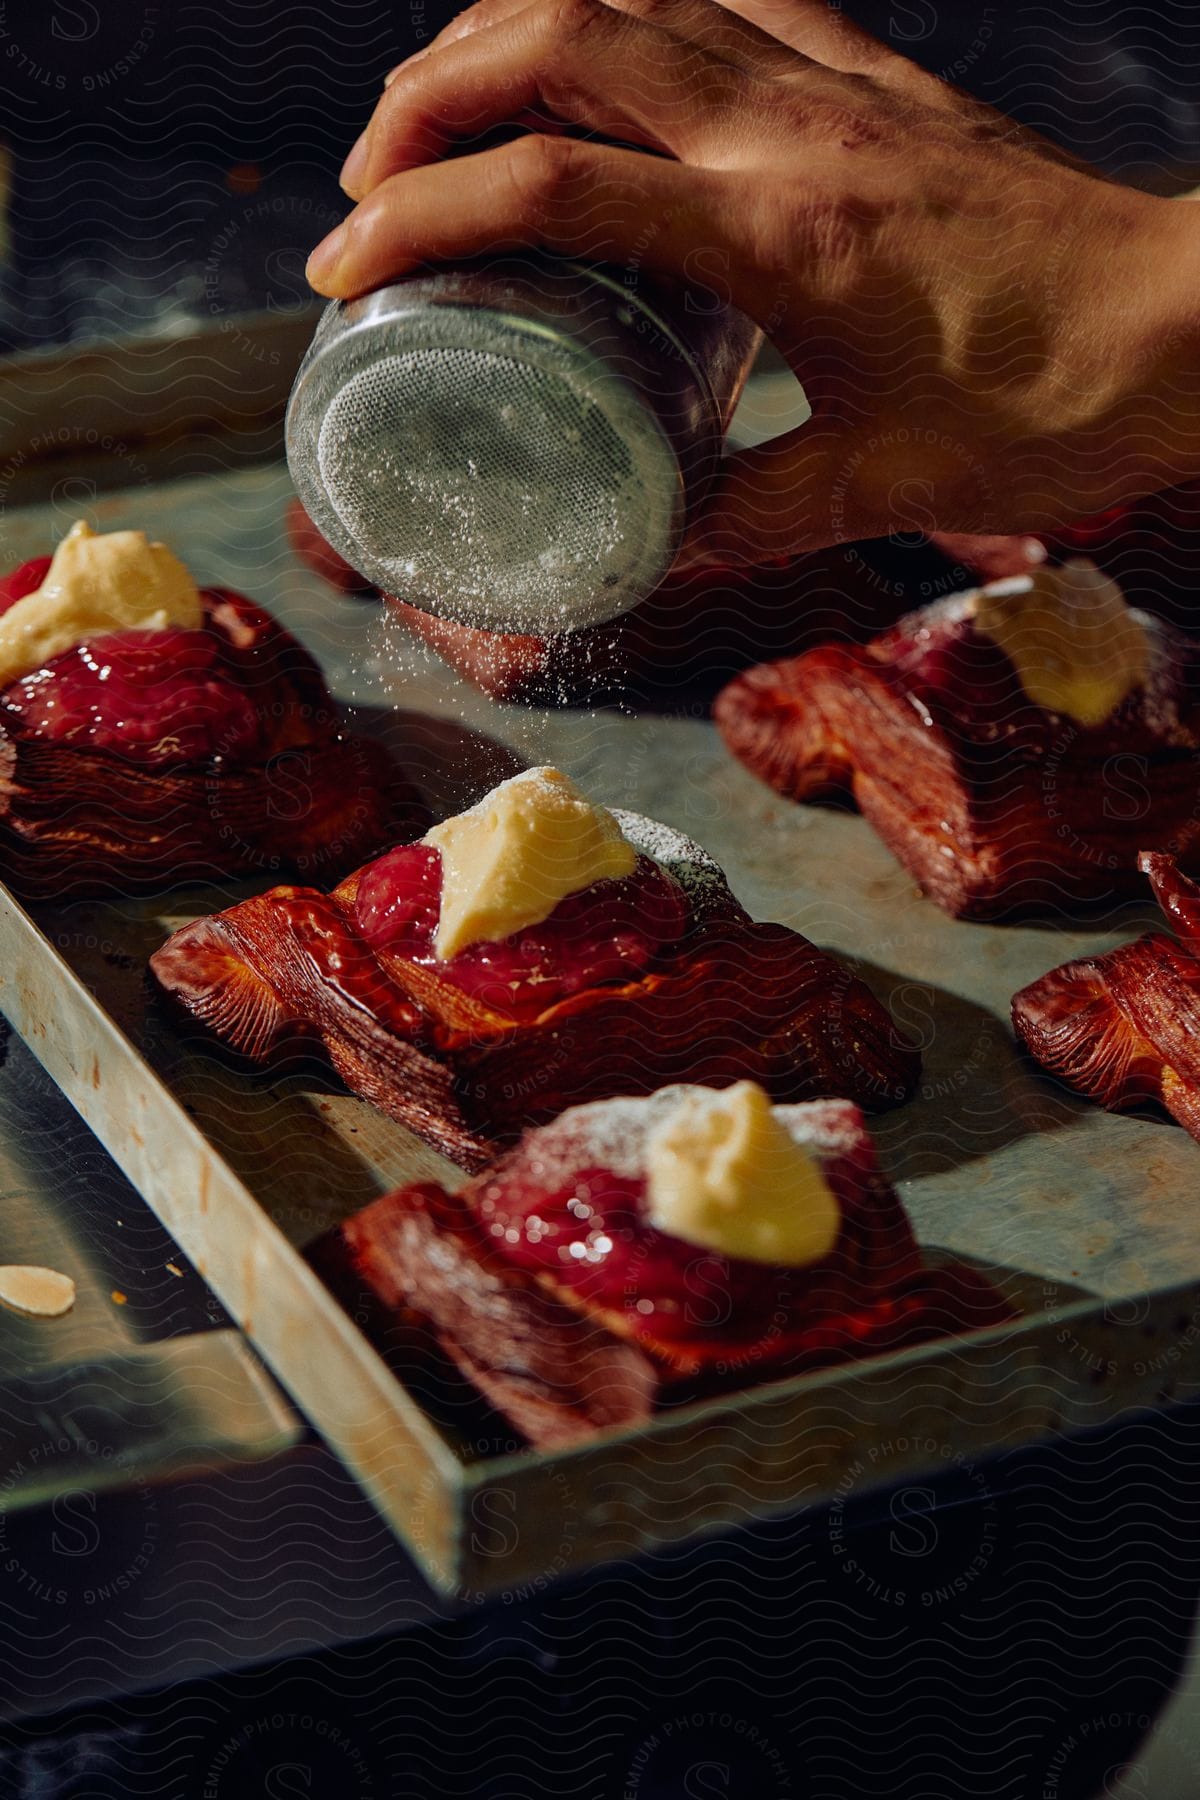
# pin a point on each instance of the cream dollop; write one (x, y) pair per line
(1075, 643)
(96, 582)
(510, 859)
(723, 1173)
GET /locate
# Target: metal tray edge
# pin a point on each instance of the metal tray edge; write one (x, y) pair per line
(266, 1286)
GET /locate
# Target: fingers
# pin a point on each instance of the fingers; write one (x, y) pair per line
(821, 32)
(771, 502)
(471, 19)
(991, 558)
(553, 193)
(578, 61)
(717, 28)
(757, 34)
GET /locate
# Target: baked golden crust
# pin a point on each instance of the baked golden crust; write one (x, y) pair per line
(732, 1000)
(995, 806)
(1124, 1027)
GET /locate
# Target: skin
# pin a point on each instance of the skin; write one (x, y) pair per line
(994, 338)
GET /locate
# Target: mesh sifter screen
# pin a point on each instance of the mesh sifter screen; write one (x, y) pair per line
(493, 490)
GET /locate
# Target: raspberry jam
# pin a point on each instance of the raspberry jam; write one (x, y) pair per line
(591, 1236)
(152, 697)
(609, 932)
(26, 579)
(961, 676)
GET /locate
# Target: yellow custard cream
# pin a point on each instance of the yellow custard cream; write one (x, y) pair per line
(97, 582)
(724, 1173)
(509, 860)
(1077, 647)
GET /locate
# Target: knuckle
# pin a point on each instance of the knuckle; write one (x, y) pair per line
(478, 17)
(567, 33)
(393, 106)
(570, 21)
(541, 168)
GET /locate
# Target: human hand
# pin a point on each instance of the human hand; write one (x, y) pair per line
(992, 338)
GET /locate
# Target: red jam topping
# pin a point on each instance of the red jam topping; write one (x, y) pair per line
(154, 698)
(26, 579)
(961, 676)
(591, 1235)
(609, 932)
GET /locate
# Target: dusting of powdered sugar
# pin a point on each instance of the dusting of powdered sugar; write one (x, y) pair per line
(611, 1134)
(698, 874)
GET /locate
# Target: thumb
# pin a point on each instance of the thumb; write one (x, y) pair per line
(799, 492)
(829, 482)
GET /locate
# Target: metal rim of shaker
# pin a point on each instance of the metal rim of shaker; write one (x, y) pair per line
(600, 274)
(321, 506)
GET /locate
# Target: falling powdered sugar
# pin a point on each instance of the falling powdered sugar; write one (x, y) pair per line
(612, 1134)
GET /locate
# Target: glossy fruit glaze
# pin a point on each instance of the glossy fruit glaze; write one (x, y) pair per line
(155, 698)
(609, 932)
(569, 1205)
(959, 677)
(590, 1234)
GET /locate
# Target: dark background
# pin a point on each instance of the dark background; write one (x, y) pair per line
(173, 162)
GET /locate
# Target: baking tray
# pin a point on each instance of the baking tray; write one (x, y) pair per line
(141, 1380)
(1089, 1222)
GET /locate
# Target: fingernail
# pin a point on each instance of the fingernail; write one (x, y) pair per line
(355, 164)
(326, 257)
(408, 62)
